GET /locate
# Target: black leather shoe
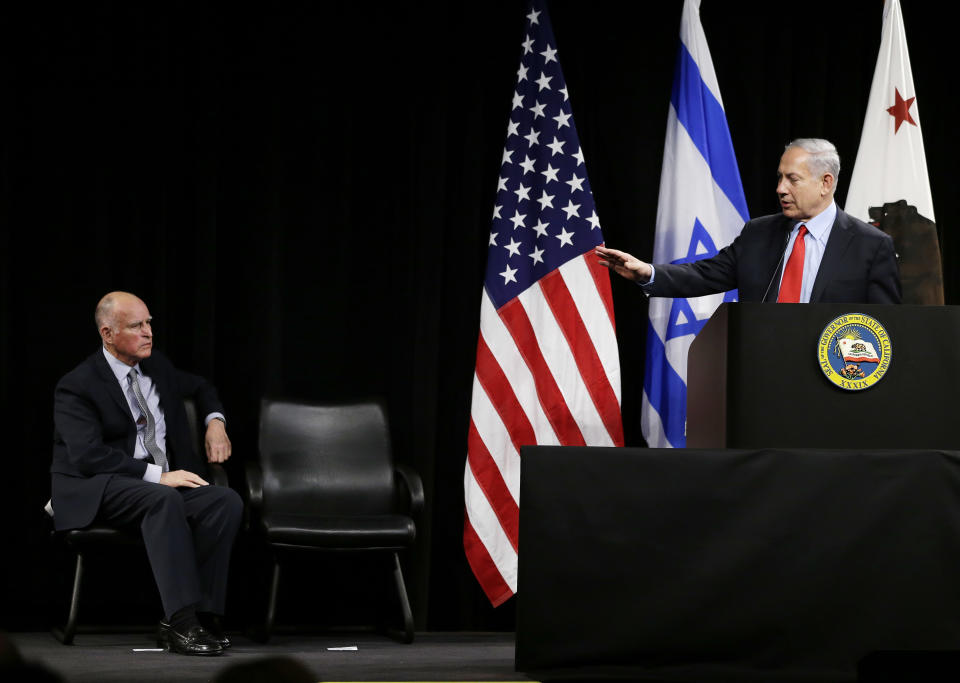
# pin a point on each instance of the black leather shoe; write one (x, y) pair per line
(196, 641)
(213, 626)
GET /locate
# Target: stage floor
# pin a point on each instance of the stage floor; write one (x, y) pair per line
(431, 657)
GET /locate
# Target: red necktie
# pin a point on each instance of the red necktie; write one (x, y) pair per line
(793, 273)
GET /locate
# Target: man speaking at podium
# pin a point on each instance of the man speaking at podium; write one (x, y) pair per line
(811, 252)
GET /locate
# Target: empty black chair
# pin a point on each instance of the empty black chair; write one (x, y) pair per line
(326, 481)
(97, 538)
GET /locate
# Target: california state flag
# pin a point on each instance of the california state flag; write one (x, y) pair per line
(889, 186)
(857, 351)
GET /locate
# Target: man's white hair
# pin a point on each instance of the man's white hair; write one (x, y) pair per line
(823, 156)
(103, 315)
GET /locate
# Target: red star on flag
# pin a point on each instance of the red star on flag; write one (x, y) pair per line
(901, 111)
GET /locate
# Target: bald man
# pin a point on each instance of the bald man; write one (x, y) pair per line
(123, 457)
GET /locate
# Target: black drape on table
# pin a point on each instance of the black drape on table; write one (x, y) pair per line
(302, 193)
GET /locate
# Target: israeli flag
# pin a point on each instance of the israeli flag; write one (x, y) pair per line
(701, 209)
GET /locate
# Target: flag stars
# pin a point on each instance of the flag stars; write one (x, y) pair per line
(565, 237)
(562, 119)
(575, 183)
(548, 211)
(543, 81)
(557, 146)
(900, 111)
(550, 174)
(571, 209)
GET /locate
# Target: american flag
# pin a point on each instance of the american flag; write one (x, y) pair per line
(548, 369)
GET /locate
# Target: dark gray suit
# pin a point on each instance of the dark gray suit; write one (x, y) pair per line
(859, 265)
(188, 533)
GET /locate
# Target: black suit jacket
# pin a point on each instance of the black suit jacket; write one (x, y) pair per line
(95, 433)
(859, 265)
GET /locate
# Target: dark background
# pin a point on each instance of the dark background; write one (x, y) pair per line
(301, 193)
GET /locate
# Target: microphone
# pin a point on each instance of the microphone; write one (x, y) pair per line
(783, 252)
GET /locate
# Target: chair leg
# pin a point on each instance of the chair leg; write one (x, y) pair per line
(272, 604)
(407, 635)
(66, 634)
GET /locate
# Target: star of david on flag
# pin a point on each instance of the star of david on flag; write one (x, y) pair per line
(548, 368)
(701, 209)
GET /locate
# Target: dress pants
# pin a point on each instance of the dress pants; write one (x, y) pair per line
(188, 533)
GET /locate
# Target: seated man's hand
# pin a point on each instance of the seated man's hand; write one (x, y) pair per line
(179, 478)
(216, 442)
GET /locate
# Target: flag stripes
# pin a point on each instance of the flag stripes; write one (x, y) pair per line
(515, 317)
(497, 388)
(497, 339)
(493, 484)
(601, 288)
(585, 279)
(588, 364)
(702, 117)
(661, 381)
(484, 568)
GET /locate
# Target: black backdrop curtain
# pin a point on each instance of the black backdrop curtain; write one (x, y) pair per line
(301, 193)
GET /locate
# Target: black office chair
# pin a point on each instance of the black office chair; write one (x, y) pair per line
(326, 481)
(98, 539)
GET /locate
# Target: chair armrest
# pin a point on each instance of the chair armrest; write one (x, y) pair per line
(409, 487)
(218, 475)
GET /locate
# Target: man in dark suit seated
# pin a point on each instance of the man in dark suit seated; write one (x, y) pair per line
(811, 252)
(123, 457)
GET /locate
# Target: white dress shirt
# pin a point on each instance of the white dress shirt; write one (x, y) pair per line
(152, 398)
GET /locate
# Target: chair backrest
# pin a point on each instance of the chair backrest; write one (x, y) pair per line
(331, 459)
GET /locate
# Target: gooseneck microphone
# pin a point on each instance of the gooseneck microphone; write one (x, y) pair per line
(776, 269)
